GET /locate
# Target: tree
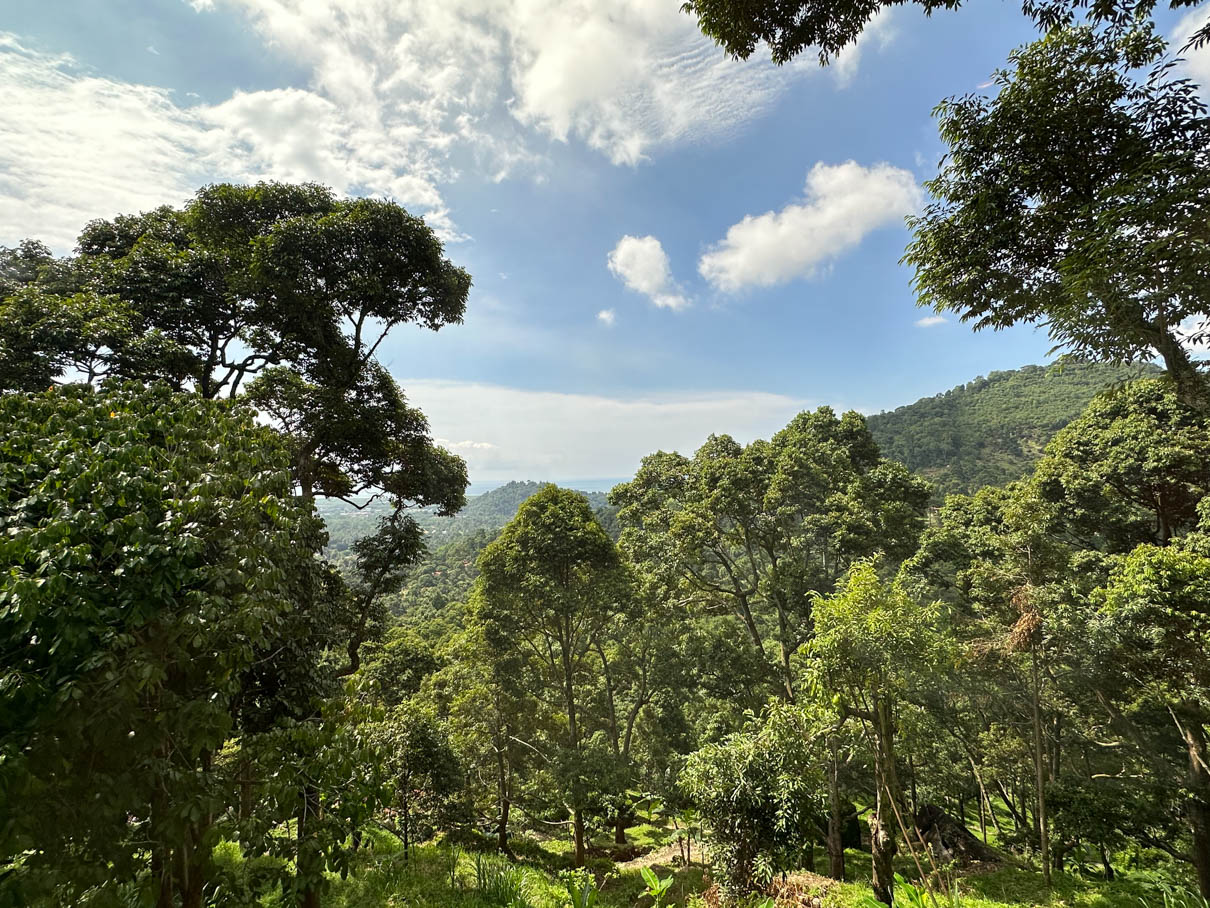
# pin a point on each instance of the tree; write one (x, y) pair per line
(874, 648)
(757, 791)
(1077, 198)
(282, 294)
(790, 28)
(494, 721)
(1155, 616)
(758, 529)
(150, 541)
(549, 586)
(1132, 469)
(423, 767)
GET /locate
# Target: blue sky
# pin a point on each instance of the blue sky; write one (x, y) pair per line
(664, 243)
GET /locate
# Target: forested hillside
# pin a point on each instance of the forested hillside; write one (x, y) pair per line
(489, 511)
(992, 430)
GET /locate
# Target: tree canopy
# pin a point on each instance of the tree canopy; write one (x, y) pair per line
(789, 28)
(1077, 198)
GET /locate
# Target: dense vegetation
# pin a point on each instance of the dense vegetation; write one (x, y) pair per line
(759, 661)
(992, 430)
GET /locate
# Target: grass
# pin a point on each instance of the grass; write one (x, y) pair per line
(382, 879)
(439, 876)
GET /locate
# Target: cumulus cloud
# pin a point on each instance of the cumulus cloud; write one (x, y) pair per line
(607, 317)
(842, 203)
(641, 263)
(930, 320)
(1197, 60)
(625, 78)
(402, 97)
(551, 435)
(75, 145)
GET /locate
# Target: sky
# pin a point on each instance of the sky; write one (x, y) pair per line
(665, 243)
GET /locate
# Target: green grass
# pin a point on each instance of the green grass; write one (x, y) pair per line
(381, 878)
(1018, 887)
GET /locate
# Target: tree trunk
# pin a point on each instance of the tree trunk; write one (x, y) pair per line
(835, 840)
(882, 851)
(161, 855)
(1191, 387)
(577, 829)
(307, 862)
(573, 734)
(1109, 874)
(191, 884)
(883, 843)
(1199, 801)
(504, 802)
(1040, 769)
(619, 828)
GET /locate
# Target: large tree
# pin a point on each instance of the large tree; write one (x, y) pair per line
(757, 530)
(549, 588)
(1078, 198)
(281, 295)
(152, 547)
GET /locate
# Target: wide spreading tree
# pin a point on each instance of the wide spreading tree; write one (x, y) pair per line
(1077, 197)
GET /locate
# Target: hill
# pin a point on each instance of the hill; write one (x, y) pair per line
(488, 511)
(991, 430)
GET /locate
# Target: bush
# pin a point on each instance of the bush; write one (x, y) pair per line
(757, 792)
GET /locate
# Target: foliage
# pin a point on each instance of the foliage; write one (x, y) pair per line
(656, 888)
(758, 794)
(582, 888)
(549, 588)
(788, 29)
(1076, 197)
(150, 541)
(756, 530)
(498, 882)
(992, 430)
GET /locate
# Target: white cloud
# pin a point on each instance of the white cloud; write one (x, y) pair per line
(607, 317)
(842, 203)
(625, 78)
(878, 33)
(1197, 60)
(462, 447)
(551, 435)
(930, 320)
(402, 98)
(74, 146)
(641, 263)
